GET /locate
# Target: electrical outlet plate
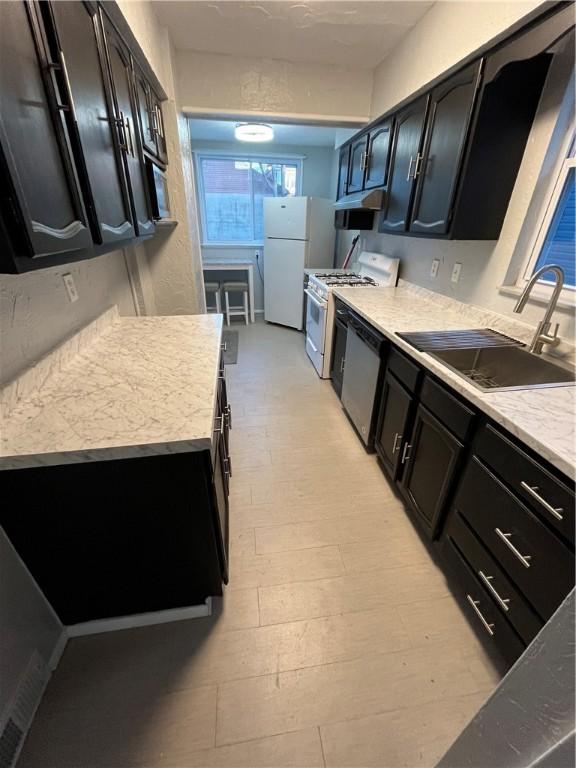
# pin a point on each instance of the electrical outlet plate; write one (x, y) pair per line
(70, 287)
(434, 268)
(456, 270)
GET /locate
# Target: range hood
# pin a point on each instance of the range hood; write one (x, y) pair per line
(370, 200)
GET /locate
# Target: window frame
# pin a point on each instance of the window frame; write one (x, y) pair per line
(544, 288)
(243, 156)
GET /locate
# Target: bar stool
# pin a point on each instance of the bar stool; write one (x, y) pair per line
(236, 286)
(213, 288)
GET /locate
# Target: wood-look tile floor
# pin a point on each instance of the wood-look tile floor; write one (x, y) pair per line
(337, 642)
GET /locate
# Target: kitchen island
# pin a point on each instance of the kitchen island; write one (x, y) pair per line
(115, 466)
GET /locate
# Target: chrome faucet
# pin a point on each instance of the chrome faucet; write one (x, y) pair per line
(542, 335)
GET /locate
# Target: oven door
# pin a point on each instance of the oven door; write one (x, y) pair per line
(317, 310)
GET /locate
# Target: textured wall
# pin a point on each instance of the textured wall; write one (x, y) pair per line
(237, 83)
(448, 32)
(35, 314)
(173, 255)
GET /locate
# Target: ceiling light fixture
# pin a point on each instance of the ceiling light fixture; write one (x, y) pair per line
(253, 132)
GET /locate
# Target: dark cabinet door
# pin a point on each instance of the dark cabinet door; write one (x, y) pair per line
(343, 172)
(378, 150)
(338, 356)
(446, 130)
(124, 106)
(159, 132)
(430, 458)
(357, 164)
(404, 161)
(80, 49)
(147, 134)
(40, 200)
(393, 423)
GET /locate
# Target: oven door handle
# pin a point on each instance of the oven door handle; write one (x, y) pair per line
(319, 302)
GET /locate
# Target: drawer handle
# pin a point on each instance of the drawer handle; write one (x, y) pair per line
(533, 491)
(219, 428)
(397, 442)
(475, 603)
(502, 601)
(224, 346)
(506, 539)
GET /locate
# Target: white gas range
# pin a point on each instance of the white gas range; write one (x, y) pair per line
(375, 270)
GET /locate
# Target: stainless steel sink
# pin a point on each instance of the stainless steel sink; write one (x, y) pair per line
(502, 368)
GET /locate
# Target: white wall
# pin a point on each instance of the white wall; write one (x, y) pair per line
(233, 83)
(316, 182)
(463, 27)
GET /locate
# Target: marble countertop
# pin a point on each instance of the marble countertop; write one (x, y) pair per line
(121, 388)
(544, 418)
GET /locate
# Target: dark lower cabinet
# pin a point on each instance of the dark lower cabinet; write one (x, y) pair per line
(128, 536)
(430, 461)
(35, 153)
(393, 424)
(338, 355)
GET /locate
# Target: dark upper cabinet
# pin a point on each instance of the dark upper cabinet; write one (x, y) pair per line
(405, 160)
(450, 111)
(393, 424)
(151, 120)
(430, 459)
(35, 154)
(78, 37)
(357, 164)
(343, 160)
(126, 118)
(377, 158)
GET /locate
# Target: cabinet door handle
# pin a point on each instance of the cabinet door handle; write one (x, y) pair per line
(397, 442)
(533, 491)
(405, 453)
(342, 363)
(409, 177)
(475, 603)
(418, 165)
(219, 428)
(159, 130)
(506, 539)
(228, 414)
(502, 601)
(223, 346)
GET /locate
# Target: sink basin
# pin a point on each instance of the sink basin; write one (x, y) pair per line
(493, 369)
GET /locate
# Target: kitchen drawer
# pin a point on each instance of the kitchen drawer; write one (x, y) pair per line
(503, 593)
(529, 553)
(480, 608)
(404, 369)
(550, 498)
(454, 414)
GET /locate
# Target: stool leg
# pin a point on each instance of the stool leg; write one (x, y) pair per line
(218, 302)
(246, 306)
(227, 300)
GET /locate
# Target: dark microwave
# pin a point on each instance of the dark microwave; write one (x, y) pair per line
(158, 191)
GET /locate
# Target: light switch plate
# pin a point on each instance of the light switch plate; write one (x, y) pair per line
(456, 270)
(70, 287)
(434, 267)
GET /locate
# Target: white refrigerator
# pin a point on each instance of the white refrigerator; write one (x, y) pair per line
(298, 234)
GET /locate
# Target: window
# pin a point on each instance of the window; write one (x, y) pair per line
(556, 239)
(232, 190)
